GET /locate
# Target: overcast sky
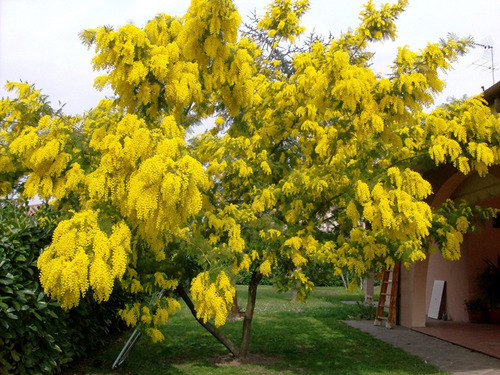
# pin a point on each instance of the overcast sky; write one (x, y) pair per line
(39, 40)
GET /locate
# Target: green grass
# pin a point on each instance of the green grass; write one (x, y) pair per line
(287, 338)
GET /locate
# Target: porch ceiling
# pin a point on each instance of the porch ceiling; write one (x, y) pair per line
(476, 189)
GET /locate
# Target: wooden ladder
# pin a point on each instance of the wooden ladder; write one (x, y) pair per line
(388, 297)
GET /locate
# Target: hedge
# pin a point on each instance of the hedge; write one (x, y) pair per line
(36, 335)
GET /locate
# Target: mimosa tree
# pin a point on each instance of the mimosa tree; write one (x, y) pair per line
(314, 157)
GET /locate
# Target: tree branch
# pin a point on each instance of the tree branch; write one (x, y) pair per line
(223, 339)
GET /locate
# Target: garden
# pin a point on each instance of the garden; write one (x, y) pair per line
(313, 163)
(288, 338)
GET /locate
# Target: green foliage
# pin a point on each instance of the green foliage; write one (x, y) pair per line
(364, 311)
(26, 315)
(322, 274)
(36, 335)
(243, 278)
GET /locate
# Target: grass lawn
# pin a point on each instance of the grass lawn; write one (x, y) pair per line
(287, 338)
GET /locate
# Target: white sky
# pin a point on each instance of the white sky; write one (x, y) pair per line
(39, 40)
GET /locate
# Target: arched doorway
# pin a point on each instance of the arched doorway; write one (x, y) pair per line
(461, 276)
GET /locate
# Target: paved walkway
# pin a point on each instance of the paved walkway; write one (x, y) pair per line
(448, 357)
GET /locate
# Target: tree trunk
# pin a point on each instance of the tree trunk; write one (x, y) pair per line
(345, 279)
(247, 322)
(208, 326)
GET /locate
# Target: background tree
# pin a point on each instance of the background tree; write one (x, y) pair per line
(314, 158)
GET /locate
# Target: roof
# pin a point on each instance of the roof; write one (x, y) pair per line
(492, 95)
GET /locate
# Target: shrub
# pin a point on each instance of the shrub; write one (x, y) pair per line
(36, 335)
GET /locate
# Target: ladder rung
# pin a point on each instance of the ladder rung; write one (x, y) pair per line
(388, 297)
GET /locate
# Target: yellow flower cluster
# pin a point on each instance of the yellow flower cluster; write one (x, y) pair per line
(81, 256)
(464, 138)
(265, 200)
(151, 316)
(224, 225)
(451, 250)
(376, 24)
(397, 211)
(146, 174)
(163, 282)
(164, 193)
(143, 62)
(265, 267)
(206, 21)
(42, 148)
(212, 299)
(282, 19)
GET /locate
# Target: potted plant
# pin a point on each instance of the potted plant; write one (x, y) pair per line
(476, 308)
(489, 282)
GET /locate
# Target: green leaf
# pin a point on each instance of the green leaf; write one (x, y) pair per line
(21, 298)
(5, 323)
(7, 282)
(33, 327)
(16, 305)
(7, 335)
(28, 291)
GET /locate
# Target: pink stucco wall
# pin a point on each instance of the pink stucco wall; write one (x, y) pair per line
(462, 276)
(412, 295)
(455, 273)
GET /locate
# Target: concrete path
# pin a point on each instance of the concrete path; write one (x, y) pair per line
(448, 357)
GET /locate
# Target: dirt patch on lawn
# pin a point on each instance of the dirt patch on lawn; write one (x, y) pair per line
(252, 359)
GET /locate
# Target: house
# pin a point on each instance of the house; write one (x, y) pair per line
(416, 283)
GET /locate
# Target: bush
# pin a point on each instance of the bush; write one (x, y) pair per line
(36, 335)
